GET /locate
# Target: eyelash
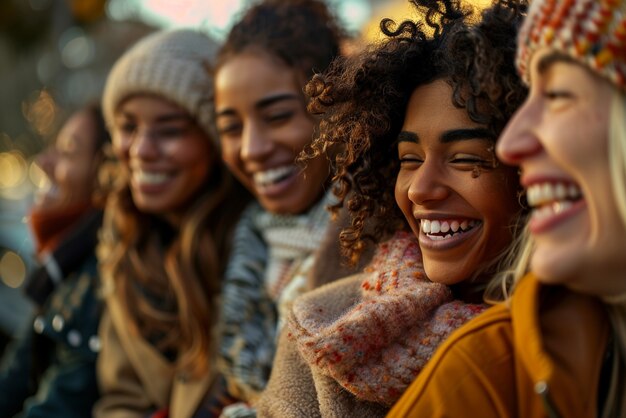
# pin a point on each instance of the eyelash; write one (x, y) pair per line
(556, 94)
(230, 130)
(469, 160)
(279, 116)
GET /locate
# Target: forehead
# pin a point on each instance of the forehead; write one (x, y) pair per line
(431, 111)
(251, 76)
(148, 107)
(550, 65)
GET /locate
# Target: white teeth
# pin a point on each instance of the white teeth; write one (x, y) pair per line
(267, 177)
(431, 227)
(560, 191)
(552, 209)
(147, 177)
(543, 193)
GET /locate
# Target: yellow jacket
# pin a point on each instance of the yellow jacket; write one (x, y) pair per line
(540, 356)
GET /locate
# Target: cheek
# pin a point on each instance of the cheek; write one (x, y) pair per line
(120, 145)
(401, 193)
(231, 155)
(300, 133)
(499, 205)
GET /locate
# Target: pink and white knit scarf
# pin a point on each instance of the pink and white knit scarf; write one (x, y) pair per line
(377, 346)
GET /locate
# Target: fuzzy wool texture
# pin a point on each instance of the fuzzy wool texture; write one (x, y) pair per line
(267, 269)
(590, 31)
(376, 346)
(173, 64)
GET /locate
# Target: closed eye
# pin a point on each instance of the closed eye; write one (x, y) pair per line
(279, 117)
(410, 159)
(128, 128)
(230, 130)
(557, 94)
(468, 160)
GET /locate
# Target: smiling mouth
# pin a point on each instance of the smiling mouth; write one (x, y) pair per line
(273, 175)
(439, 230)
(149, 178)
(551, 199)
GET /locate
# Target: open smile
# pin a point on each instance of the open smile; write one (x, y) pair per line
(441, 234)
(552, 203)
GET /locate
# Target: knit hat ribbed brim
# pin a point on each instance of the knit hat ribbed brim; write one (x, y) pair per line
(593, 32)
(173, 64)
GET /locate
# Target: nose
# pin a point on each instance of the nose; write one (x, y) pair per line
(46, 160)
(143, 146)
(427, 184)
(519, 141)
(255, 143)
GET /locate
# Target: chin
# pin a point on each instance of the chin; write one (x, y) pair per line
(550, 271)
(447, 274)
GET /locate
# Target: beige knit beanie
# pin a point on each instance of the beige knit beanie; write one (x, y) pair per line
(592, 32)
(169, 63)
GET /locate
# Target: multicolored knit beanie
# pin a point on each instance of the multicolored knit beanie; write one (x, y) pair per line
(592, 32)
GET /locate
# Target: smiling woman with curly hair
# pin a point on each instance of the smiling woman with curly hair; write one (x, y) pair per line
(410, 125)
(364, 101)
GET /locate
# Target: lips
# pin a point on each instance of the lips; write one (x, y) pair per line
(273, 175)
(552, 202)
(443, 234)
(143, 177)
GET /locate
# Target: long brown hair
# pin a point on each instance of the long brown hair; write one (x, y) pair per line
(169, 280)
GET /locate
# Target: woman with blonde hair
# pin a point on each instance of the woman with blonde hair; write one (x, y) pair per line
(166, 231)
(557, 347)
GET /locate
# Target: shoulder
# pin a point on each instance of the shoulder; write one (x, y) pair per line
(483, 339)
(327, 302)
(472, 368)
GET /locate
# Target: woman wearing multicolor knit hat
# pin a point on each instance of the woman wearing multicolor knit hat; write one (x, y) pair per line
(414, 122)
(558, 346)
(166, 230)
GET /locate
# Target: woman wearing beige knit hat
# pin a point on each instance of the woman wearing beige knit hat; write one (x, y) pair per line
(558, 346)
(166, 230)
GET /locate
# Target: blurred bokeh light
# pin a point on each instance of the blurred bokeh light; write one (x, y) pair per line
(12, 269)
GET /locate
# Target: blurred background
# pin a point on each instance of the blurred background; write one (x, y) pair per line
(54, 57)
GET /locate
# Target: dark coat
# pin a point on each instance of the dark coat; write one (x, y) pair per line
(50, 371)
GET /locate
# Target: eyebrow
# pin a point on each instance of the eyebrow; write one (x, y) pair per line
(264, 102)
(549, 60)
(168, 117)
(453, 135)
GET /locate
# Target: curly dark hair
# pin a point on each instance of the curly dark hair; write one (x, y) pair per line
(362, 100)
(304, 34)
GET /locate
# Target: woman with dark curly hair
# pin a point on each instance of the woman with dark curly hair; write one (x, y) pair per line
(413, 123)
